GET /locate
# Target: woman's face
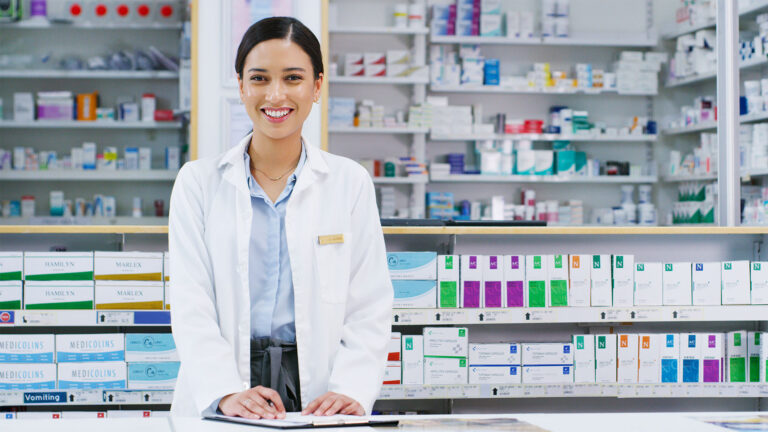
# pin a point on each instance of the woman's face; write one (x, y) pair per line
(278, 87)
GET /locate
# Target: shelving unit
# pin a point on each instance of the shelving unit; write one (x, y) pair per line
(98, 124)
(401, 180)
(101, 175)
(753, 9)
(380, 30)
(101, 398)
(748, 64)
(502, 90)
(376, 80)
(612, 40)
(86, 318)
(372, 130)
(546, 137)
(480, 178)
(86, 74)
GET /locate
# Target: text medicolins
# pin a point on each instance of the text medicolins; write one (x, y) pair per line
(90, 347)
(26, 348)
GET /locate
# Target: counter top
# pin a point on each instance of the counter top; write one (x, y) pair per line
(625, 422)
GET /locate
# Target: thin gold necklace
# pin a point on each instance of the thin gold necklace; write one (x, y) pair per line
(274, 179)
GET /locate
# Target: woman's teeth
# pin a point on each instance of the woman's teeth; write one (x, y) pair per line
(277, 113)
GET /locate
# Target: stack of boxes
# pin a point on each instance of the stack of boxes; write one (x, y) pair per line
(445, 355)
(88, 362)
(545, 363)
(414, 279)
(481, 18)
(393, 63)
(495, 363)
(84, 280)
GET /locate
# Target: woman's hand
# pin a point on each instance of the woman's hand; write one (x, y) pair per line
(333, 403)
(255, 403)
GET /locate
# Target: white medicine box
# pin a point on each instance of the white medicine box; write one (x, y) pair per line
(706, 284)
(669, 353)
(413, 359)
(677, 284)
(536, 281)
(623, 280)
(649, 358)
(600, 274)
(557, 280)
(493, 279)
(626, 354)
(471, 278)
(579, 274)
(605, 358)
(759, 277)
(446, 341)
(514, 280)
(448, 281)
(648, 284)
(736, 284)
(583, 358)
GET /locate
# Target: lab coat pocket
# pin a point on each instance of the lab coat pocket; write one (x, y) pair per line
(332, 258)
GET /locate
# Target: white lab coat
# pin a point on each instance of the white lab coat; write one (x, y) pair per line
(343, 293)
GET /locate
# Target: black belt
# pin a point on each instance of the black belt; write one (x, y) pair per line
(275, 364)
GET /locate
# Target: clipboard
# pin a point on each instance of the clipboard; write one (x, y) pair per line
(305, 422)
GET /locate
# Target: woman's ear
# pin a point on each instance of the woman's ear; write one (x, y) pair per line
(318, 87)
(240, 87)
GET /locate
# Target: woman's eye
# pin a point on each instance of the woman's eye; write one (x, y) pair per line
(294, 77)
(257, 78)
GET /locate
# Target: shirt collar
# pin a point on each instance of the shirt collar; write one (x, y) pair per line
(253, 185)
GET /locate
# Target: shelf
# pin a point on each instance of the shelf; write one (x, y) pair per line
(401, 180)
(372, 130)
(586, 40)
(95, 175)
(755, 62)
(745, 119)
(506, 391)
(379, 30)
(103, 124)
(415, 230)
(52, 224)
(479, 178)
(498, 89)
(743, 13)
(687, 178)
(44, 25)
(551, 315)
(84, 397)
(85, 318)
(376, 80)
(546, 137)
(86, 74)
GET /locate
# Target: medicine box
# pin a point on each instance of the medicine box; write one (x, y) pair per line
(445, 341)
(605, 358)
(514, 280)
(445, 370)
(92, 376)
(495, 374)
(579, 274)
(415, 294)
(412, 265)
(50, 266)
(26, 348)
(393, 372)
(547, 374)
(690, 357)
(471, 281)
(763, 360)
(583, 358)
(547, 354)
(58, 295)
(136, 266)
(557, 280)
(153, 375)
(494, 354)
(536, 281)
(753, 355)
(712, 356)
(649, 358)
(677, 282)
(133, 295)
(30, 376)
(669, 353)
(10, 295)
(736, 284)
(600, 275)
(706, 284)
(90, 347)
(736, 357)
(648, 284)
(11, 266)
(759, 278)
(150, 347)
(393, 348)
(167, 296)
(413, 359)
(623, 280)
(493, 277)
(626, 356)
(448, 281)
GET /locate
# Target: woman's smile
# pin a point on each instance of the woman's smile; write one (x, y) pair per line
(277, 115)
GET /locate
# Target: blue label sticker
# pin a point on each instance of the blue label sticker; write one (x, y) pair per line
(566, 349)
(45, 397)
(691, 341)
(699, 267)
(566, 370)
(513, 349)
(6, 317)
(670, 341)
(513, 370)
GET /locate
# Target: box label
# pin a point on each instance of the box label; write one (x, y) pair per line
(596, 261)
(537, 262)
(515, 296)
(537, 296)
(619, 261)
(449, 262)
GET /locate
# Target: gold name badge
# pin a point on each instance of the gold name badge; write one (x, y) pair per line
(330, 239)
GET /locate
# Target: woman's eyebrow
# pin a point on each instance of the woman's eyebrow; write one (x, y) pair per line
(290, 69)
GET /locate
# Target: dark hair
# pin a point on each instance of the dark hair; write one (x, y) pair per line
(280, 28)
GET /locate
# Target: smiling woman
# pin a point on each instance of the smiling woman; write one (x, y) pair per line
(278, 244)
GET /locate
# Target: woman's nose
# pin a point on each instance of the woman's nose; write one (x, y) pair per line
(275, 92)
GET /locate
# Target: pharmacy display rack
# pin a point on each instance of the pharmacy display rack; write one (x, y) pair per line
(530, 324)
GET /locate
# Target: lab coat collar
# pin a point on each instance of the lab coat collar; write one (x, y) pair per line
(232, 162)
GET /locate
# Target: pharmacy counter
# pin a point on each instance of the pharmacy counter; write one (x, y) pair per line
(635, 422)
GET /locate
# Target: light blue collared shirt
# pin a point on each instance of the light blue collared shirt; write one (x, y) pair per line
(269, 269)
